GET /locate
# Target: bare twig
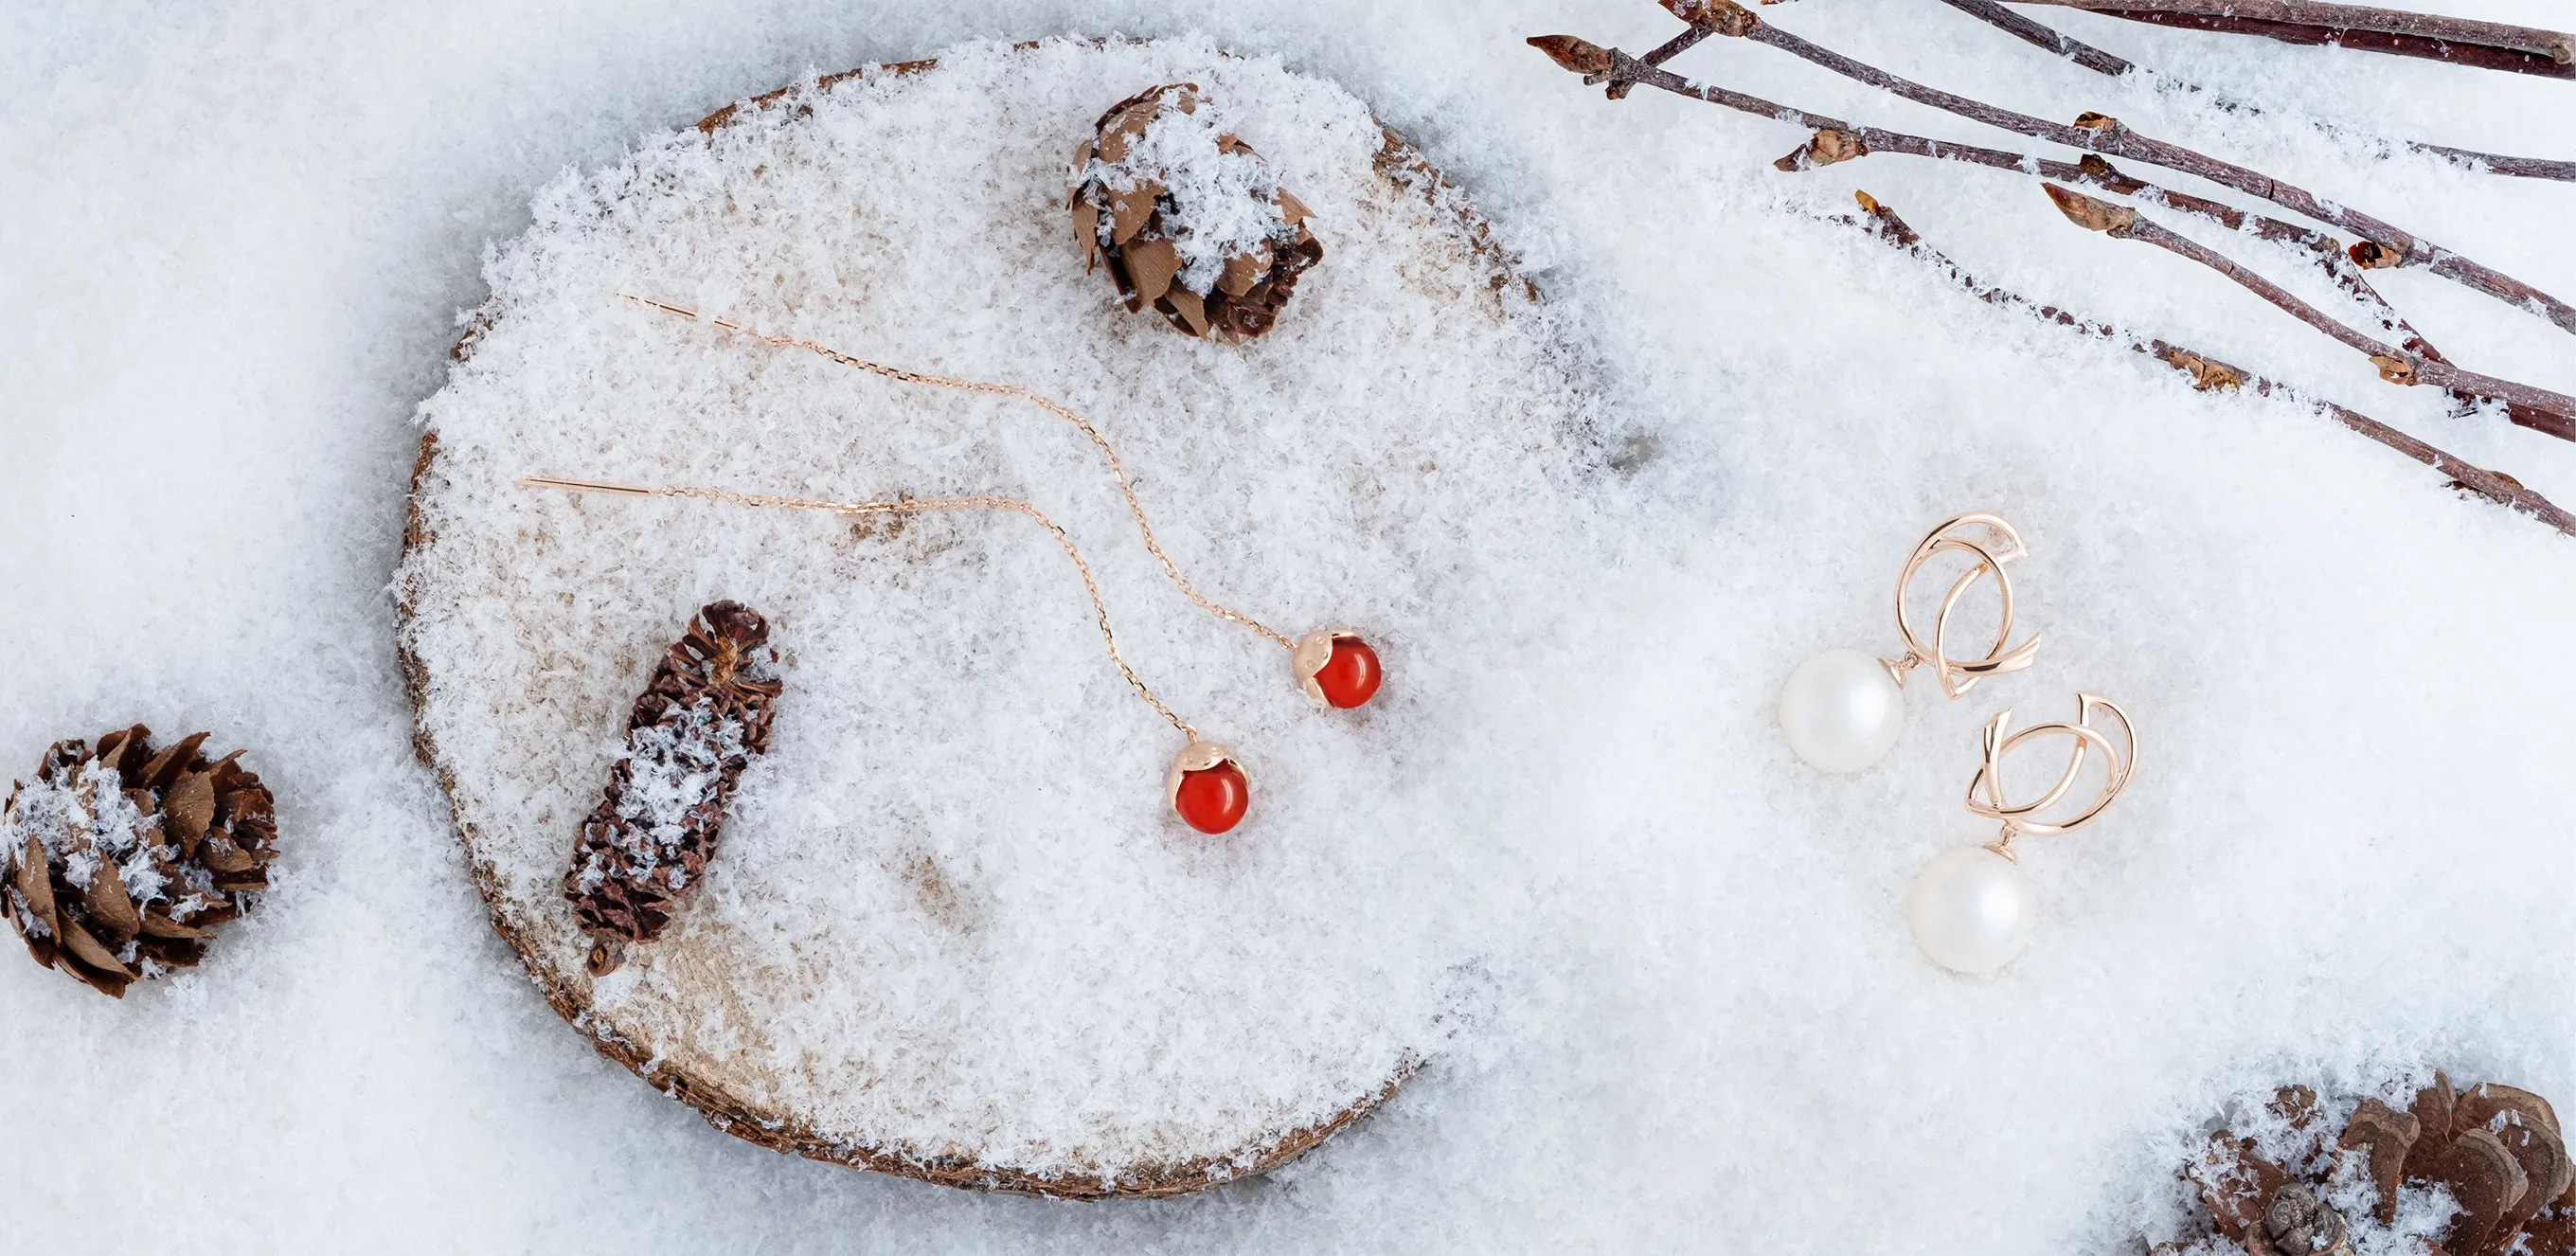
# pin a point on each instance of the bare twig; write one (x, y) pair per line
(2209, 373)
(1835, 140)
(2100, 62)
(1996, 15)
(2487, 45)
(1675, 46)
(2518, 167)
(2396, 365)
(2383, 244)
(2474, 56)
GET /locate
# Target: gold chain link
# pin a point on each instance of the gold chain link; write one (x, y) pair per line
(905, 506)
(1048, 404)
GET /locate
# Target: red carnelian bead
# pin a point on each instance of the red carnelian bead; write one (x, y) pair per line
(1350, 677)
(1213, 799)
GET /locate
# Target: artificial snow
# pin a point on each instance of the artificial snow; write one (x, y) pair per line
(1670, 1002)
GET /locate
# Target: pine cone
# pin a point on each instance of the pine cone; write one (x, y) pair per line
(699, 723)
(2496, 1150)
(1190, 220)
(187, 841)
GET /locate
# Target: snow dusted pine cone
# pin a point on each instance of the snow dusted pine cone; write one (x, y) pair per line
(2479, 1172)
(119, 862)
(1190, 220)
(696, 728)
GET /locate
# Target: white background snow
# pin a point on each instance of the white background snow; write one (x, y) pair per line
(232, 246)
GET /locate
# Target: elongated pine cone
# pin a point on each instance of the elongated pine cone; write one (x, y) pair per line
(698, 725)
(1190, 220)
(119, 862)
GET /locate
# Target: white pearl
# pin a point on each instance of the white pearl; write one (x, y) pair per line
(1842, 711)
(1970, 910)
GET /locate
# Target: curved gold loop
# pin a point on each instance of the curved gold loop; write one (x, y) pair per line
(1959, 676)
(1985, 790)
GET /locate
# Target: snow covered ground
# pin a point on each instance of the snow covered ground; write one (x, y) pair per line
(232, 248)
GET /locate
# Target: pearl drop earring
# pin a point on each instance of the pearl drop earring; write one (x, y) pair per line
(1842, 710)
(1970, 909)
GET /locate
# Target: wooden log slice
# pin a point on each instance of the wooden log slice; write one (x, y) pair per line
(954, 933)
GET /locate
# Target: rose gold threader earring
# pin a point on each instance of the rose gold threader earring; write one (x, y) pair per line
(1970, 909)
(1206, 786)
(1334, 666)
(1842, 710)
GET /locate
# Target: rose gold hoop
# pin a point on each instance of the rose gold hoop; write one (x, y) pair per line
(1986, 789)
(1957, 677)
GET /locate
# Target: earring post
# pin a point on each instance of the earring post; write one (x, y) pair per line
(583, 486)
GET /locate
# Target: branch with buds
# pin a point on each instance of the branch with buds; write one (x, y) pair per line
(1835, 141)
(2396, 365)
(2209, 374)
(2049, 39)
(2383, 244)
(2412, 360)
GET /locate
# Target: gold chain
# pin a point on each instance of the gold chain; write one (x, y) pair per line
(905, 506)
(1048, 404)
